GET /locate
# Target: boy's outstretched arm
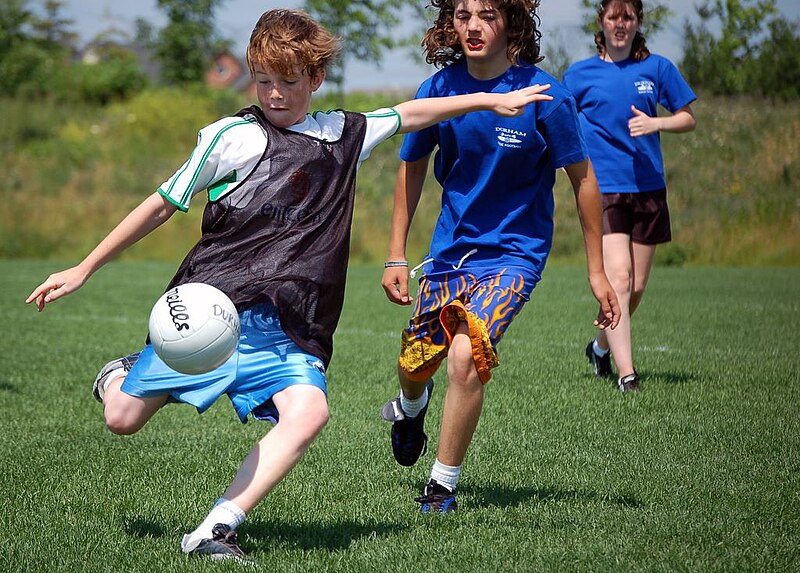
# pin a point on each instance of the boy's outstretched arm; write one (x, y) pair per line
(407, 191)
(587, 197)
(420, 113)
(145, 218)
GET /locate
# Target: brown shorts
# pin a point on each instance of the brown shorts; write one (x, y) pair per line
(643, 216)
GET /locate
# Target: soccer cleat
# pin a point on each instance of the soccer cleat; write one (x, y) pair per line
(601, 365)
(222, 545)
(629, 383)
(116, 367)
(409, 440)
(436, 498)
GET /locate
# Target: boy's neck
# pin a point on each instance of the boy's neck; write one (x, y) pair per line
(487, 70)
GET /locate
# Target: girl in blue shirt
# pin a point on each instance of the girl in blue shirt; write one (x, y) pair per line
(617, 93)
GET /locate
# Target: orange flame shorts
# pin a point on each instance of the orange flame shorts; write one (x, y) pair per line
(486, 300)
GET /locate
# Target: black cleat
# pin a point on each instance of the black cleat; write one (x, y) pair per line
(629, 383)
(601, 365)
(436, 498)
(222, 545)
(409, 440)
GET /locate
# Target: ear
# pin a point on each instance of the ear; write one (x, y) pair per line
(317, 79)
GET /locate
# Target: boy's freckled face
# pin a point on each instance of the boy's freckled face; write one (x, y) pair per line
(285, 99)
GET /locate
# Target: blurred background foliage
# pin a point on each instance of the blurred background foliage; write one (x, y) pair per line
(85, 139)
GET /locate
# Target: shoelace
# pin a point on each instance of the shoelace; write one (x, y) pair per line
(429, 496)
(224, 535)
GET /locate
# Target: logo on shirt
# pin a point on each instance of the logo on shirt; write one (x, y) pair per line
(644, 86)
(509, 137)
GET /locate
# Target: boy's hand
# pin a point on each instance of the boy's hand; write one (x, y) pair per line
(395, 284)
(511, 104)
(57, 285)
(609, 313)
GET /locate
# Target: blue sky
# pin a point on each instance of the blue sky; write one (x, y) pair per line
(560, 25)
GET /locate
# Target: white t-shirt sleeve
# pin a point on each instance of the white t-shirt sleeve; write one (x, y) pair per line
(226, 152)
(381, 125)
(328, 126)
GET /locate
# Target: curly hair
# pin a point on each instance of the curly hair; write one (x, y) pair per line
(442, 47)
(286, 39)
(639, 49)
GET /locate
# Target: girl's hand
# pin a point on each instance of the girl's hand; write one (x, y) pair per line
(511, 104)
(642, 124)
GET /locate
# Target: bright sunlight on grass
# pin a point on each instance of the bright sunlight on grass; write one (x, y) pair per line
(697, 473)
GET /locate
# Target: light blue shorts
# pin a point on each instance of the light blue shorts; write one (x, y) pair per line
(265, 362)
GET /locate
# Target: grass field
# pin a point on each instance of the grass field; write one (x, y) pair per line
(700, 472)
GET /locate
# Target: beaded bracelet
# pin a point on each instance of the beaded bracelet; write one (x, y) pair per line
(389, 264)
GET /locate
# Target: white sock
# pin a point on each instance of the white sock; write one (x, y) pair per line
(412, 408)
(224, 511)
(597, 350)
(445, 475)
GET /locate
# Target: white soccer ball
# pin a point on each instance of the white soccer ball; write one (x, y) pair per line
(194, 328)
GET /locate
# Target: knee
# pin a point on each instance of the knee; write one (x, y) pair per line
(317, 419)
(120, 422)
(308, 420)
(461, 363)
(621, 280)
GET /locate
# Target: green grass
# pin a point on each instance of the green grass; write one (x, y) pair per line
(697, 473)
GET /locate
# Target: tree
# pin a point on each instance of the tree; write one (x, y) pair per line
(368, 28)
(53, 29)
(32, 49)
(556, 52)
(186, 45)
(14, 19)
(779, 60)
(751, 54)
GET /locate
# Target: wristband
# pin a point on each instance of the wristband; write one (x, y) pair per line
(389, 264)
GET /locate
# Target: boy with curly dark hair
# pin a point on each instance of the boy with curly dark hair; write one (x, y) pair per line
(495, 229)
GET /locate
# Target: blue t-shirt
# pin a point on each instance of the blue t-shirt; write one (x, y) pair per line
(604, 92)
(497, 173)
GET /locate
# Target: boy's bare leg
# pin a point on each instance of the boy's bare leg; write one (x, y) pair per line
(463, 401)
(303, 413)
(411, 389)
(126, 414)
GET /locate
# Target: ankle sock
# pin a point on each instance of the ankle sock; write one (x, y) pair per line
(412, 408)
(113, 375)
(224, 511)
(597, 350)
(445, 475)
